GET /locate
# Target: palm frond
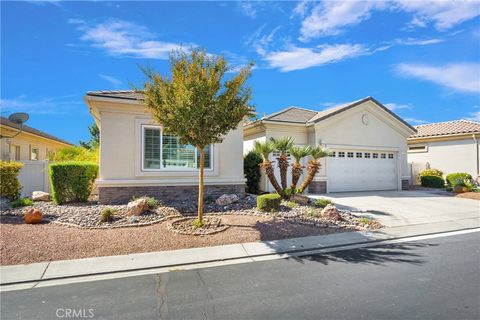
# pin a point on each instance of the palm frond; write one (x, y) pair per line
(263, 148)
(319, 152)
(300, 152)
(282, 144)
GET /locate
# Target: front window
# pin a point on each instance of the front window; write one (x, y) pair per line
(164, 151)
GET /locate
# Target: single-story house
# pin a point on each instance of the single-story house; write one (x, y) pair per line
(138, 158)
(368, 143)
(30, 145)
(451, 146)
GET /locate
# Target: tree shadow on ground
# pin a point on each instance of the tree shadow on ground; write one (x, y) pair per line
(277, 229)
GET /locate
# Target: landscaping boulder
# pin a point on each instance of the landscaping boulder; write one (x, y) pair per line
(40, 196)
(33, 216)
(226, 199)
(330, 212)
(299, 198)
(137, 207)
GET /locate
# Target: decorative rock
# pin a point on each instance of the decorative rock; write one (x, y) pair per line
(137, 207)
(40, 196)
(330, 212)
(33, 216)
(226, 199)
(299, 198)
(460, 189)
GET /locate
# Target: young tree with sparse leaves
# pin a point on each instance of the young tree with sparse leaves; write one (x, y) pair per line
(94, 141)
(197, 104)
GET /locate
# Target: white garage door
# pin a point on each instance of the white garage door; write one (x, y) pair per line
(350, 170)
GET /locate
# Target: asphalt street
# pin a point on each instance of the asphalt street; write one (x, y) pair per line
(429, 279)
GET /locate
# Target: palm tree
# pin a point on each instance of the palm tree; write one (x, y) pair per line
(283, 145)
(314, 165)
(264, 149)
(297, 169)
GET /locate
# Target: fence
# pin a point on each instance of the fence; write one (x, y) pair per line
(415, 168)
(34, 177)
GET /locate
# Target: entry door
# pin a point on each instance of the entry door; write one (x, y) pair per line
(352, 170)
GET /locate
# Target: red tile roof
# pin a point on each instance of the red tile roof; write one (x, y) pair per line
(446, 128)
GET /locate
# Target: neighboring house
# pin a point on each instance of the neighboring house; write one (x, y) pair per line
(137, 158)
(369, 144)
(450, 146)
(30, 144)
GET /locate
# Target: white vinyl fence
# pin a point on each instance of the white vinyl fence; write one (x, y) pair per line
(34, 177)
(415, 168)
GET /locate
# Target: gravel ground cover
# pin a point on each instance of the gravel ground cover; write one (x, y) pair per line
(75, 230)
(469, 195)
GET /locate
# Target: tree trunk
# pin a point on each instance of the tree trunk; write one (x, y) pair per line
(297, 171)
(283, 166)
(313, 167)
(267, 166)
(200, 186)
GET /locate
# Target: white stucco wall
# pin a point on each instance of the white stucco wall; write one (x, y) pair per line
(448, 156)
(120, 152)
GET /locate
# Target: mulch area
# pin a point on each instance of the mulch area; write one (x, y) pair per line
(469, 195)
(22, 243)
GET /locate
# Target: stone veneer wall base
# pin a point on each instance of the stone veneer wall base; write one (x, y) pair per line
(122, 195)
(318, 187)
(405, 184)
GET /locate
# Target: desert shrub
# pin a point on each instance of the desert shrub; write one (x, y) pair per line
(23, 202)
(151, 201)
(75, 153)
(466, 183)
(10, 187)
(107, 214)
(291, 204)
(322, 203)
(209, 199)
(432, 181)
(430, 172)
(269, 202)
(315, 213)
(364, 220)
(288, 192)
(251, 168)
(72, 181)
(458, 177)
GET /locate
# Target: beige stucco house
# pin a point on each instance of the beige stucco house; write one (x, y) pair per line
(138, 158)
(451, 146)
(369, 144)
(30, 145)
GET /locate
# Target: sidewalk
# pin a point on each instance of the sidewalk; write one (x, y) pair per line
(60, 272)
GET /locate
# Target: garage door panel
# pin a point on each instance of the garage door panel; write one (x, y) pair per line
(361, 172)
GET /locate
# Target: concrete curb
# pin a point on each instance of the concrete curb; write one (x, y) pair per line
(78, 268)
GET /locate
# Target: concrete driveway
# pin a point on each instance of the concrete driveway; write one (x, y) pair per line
(401, 208)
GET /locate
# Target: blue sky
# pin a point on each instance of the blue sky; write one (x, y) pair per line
(421, 59)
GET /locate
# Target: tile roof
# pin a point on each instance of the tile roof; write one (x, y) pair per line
(5, 122)
(292, 114)
(305, 116)
(119, 94)
(446, 128)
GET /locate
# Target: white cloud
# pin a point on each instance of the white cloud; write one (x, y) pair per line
(122, 38)
(474, 116)
(395, 106)
(464, 77)
(56, 105)
(330, 17)
(248, 8)
(295, 58)
(301, 9)
(415, 121)
(114, 81)
(418, 42)
(444, 14)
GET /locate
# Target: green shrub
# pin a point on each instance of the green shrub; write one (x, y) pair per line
(432, 182)
(458, 177)
(364, 220)
(430, 172)
(151, 201)
(251, 169)
(23, 202)
(72, 181)
(288, 192)
(291, 204)
(322, 203)
(76, 153)
(466, 183)
(313, 213)
(269, 202)
(209, 199)
(10, 187)
(107, 214)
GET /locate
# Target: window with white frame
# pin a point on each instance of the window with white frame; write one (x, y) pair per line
(165, 152)
(417, 148)
(341, 154)
(383, 156)
(367, 155)
(350, 154)
(390, 156)
(359, 154)
(34, 153)
(375, 155)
